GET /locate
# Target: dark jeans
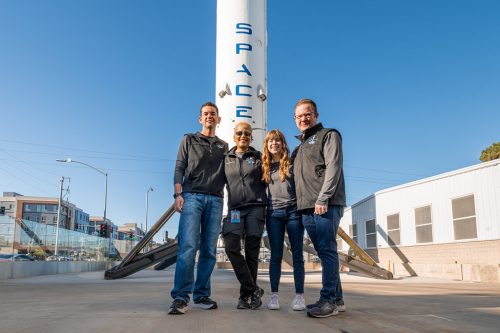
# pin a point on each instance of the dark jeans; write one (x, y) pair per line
(322, 230)
(250, 229)
(277, 221)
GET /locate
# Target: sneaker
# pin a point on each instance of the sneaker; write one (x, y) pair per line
(205, 303)
(299, 303)
(256, 298)
(274, 302)
(314, 305)
(243, 303)
(323, 310)
(179, 306)
(340, 305)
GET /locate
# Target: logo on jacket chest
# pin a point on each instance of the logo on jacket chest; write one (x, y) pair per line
(219, 145)
(250, 160)
(312, 140)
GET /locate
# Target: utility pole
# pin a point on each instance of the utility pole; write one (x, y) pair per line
(59, 215)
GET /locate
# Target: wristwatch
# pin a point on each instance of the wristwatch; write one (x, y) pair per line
(177, 194)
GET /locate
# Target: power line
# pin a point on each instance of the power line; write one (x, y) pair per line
(385, 171)
(108, 169)
(94, 157)
(27, 173)
(28, 163)
(370, 181)
(24, 181)
(84, 150)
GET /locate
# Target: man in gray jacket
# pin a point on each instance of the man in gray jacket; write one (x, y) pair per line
(198, 191)
(320, 190)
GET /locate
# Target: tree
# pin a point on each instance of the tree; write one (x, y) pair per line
(39, 254)
(490, 153)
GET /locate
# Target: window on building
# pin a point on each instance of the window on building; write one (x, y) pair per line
(464, 217)
(353, 232)
(54, 219)
(423, 224)
(393, 231)
(43, 219)
(371, 234)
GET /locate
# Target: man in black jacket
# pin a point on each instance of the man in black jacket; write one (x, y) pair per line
(198, 192)
(320, 190)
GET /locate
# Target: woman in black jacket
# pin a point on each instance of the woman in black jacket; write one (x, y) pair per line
(246, 214)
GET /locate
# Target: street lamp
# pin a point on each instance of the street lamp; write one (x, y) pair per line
(147, 206)
(150, 189)
(69, 160)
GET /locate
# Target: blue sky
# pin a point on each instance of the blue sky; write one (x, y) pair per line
(414, 87)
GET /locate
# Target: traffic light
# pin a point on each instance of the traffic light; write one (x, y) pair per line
(102, 231)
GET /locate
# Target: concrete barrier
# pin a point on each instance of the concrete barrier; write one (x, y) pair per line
(457, 271)
(14, 270)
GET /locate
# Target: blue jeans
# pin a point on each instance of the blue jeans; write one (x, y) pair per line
(277, 221)
(199, 227)
(322, 230)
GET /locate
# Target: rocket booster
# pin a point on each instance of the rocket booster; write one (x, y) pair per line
(241, 68)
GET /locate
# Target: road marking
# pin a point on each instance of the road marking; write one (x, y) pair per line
(431, 315)
(439, 317)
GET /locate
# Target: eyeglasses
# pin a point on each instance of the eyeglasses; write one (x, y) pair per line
(305, 115)
(243, 133)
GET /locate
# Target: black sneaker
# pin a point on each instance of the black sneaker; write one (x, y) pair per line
(243, 303)
(205, 303)
(256, 298)
(314, 305)
(323, 309)
(179, 306)
(340, 305)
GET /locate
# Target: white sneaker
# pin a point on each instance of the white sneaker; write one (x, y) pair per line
(274, 302)
(299, 303)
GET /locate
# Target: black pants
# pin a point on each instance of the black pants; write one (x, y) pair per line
(250, 228)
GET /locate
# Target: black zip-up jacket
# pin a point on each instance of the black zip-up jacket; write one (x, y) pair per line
(200, 164)
(244, 179)
(318, 172)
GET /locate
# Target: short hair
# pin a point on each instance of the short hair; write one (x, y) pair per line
(306, 101)
(210, 104)
(243, 123)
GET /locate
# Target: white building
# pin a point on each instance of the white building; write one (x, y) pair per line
(444, 226)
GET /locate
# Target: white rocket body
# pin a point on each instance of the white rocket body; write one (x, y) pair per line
(241, 68)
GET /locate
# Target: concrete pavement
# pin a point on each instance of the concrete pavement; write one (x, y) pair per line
(86, 302)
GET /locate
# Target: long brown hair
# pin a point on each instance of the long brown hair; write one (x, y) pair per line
(267, 157)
